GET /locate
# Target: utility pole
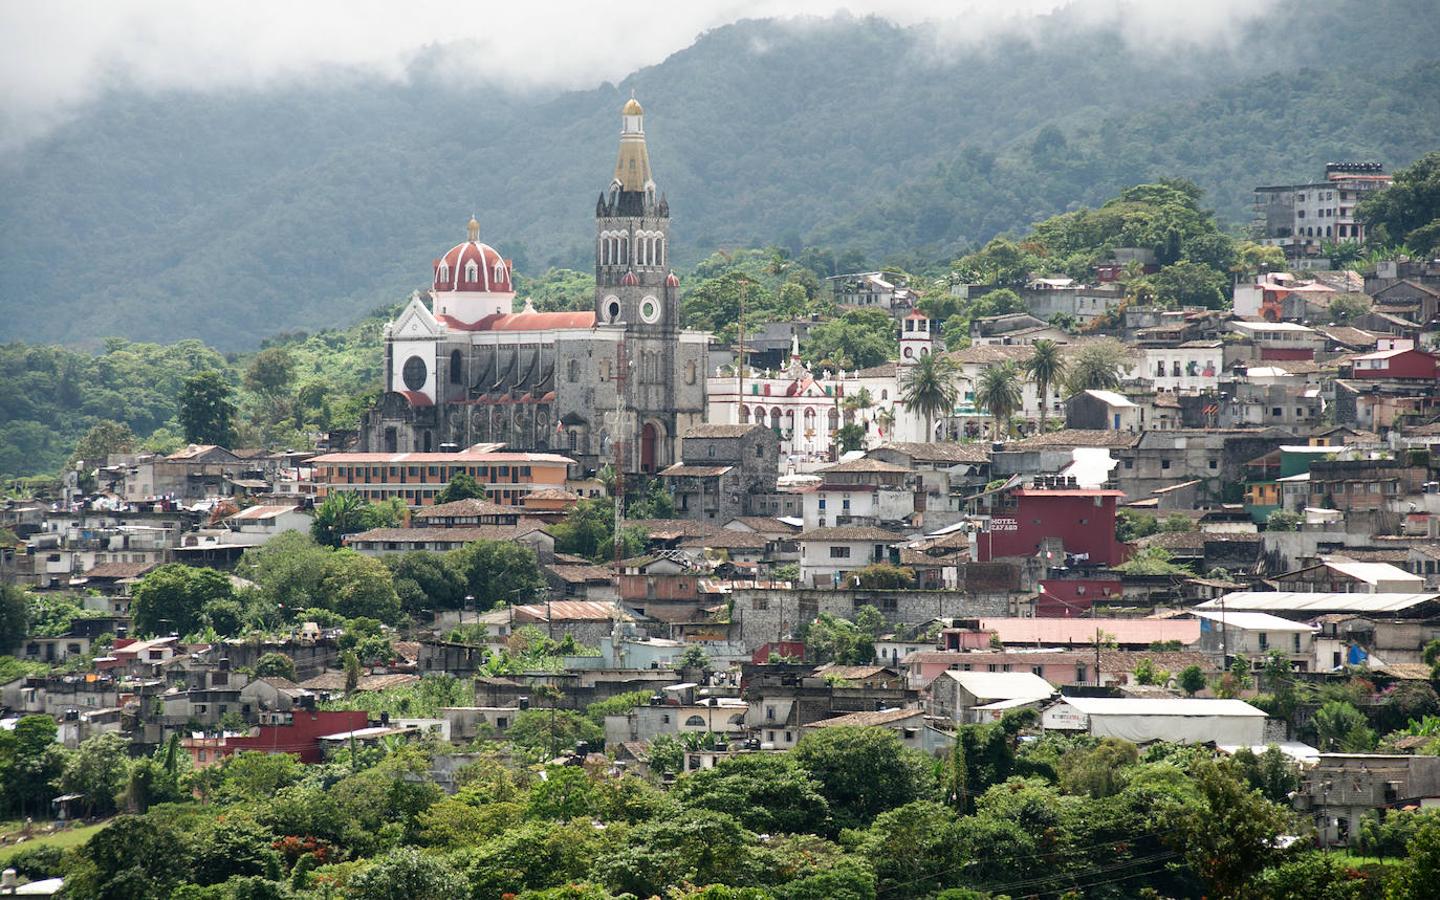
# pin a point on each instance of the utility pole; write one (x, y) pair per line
(1098, 632)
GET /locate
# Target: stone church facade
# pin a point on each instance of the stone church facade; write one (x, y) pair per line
(465, 368)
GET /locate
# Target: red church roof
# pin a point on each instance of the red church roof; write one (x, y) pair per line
(530, 321)
(473, 266)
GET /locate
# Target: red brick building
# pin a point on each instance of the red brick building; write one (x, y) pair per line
(1081, 519)
(297, 732)
(1408, 363)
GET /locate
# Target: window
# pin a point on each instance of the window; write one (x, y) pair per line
(770, 717)
(472, 272)
(1264, 642)
(839, 552)
(1164, 463)
(695, 722)
(456, 365)
(1212, 464)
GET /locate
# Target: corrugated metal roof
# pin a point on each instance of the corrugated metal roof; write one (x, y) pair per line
(1318, 602)
(1158, 706)
(1255, 621)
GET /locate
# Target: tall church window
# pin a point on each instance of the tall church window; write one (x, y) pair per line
(660, 251)
(624, 250)
(456, 365)
(604, 251)
(442, 274)
(573, 372)
(499, 271)
(472, 272)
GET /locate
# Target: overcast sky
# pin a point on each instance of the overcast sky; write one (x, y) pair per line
(55, 55)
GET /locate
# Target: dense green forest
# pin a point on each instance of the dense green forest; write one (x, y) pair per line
(232, 217)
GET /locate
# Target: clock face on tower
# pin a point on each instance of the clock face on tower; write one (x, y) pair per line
(414, 373)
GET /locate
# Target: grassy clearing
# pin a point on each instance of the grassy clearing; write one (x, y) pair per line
(70, 837)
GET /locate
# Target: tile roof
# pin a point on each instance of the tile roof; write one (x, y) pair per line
(720, 431)
(681, 470)
(568, 611)
(940, 451)
(864, 464)
(1075, 437)
(471, 506)
(119, 570)
(459, 535)
(727, 539)
(850, 533)
(766, 525)
(581, 574)
(868, 719)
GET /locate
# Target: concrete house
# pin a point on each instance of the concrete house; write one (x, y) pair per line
(966, 696)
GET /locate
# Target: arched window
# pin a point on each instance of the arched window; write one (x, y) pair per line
(499, 270)
(624, 250)
(884, 395)
(695, 722)
(660, 251)
(604, 250)
(456, 365)
(472, 272)
(442, 274)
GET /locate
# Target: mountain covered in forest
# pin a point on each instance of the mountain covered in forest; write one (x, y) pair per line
(229, 217)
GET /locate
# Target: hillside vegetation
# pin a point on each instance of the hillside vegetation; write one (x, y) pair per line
(232, 217)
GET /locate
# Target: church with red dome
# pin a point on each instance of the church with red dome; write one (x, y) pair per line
(465, 365)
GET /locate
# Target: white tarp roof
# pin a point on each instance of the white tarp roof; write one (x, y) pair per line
(1373, 572)
(1162, 706)
(1256, 621)
(1318, 602)
(1003, 685)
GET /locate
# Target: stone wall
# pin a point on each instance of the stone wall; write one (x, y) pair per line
(768, 615)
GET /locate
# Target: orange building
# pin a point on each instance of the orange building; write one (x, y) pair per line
(508, 478)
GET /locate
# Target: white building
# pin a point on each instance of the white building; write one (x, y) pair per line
(828, 554)
(1191, 366)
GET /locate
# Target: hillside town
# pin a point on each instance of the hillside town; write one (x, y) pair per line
(600, 540)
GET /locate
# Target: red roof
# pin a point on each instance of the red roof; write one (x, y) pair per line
(417, 398)
(534, 321)
(463, 456)
(473, 266)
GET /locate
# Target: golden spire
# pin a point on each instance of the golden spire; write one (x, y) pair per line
(473, 229)
(632, 168)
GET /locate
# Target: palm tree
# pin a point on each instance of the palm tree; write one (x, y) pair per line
(1097, 367)
(1046, 368)
(999, 392)
(857, 402)
(928, 387)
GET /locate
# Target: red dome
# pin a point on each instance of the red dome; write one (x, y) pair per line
(672, 280)
(473, 266)
(629, 279)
